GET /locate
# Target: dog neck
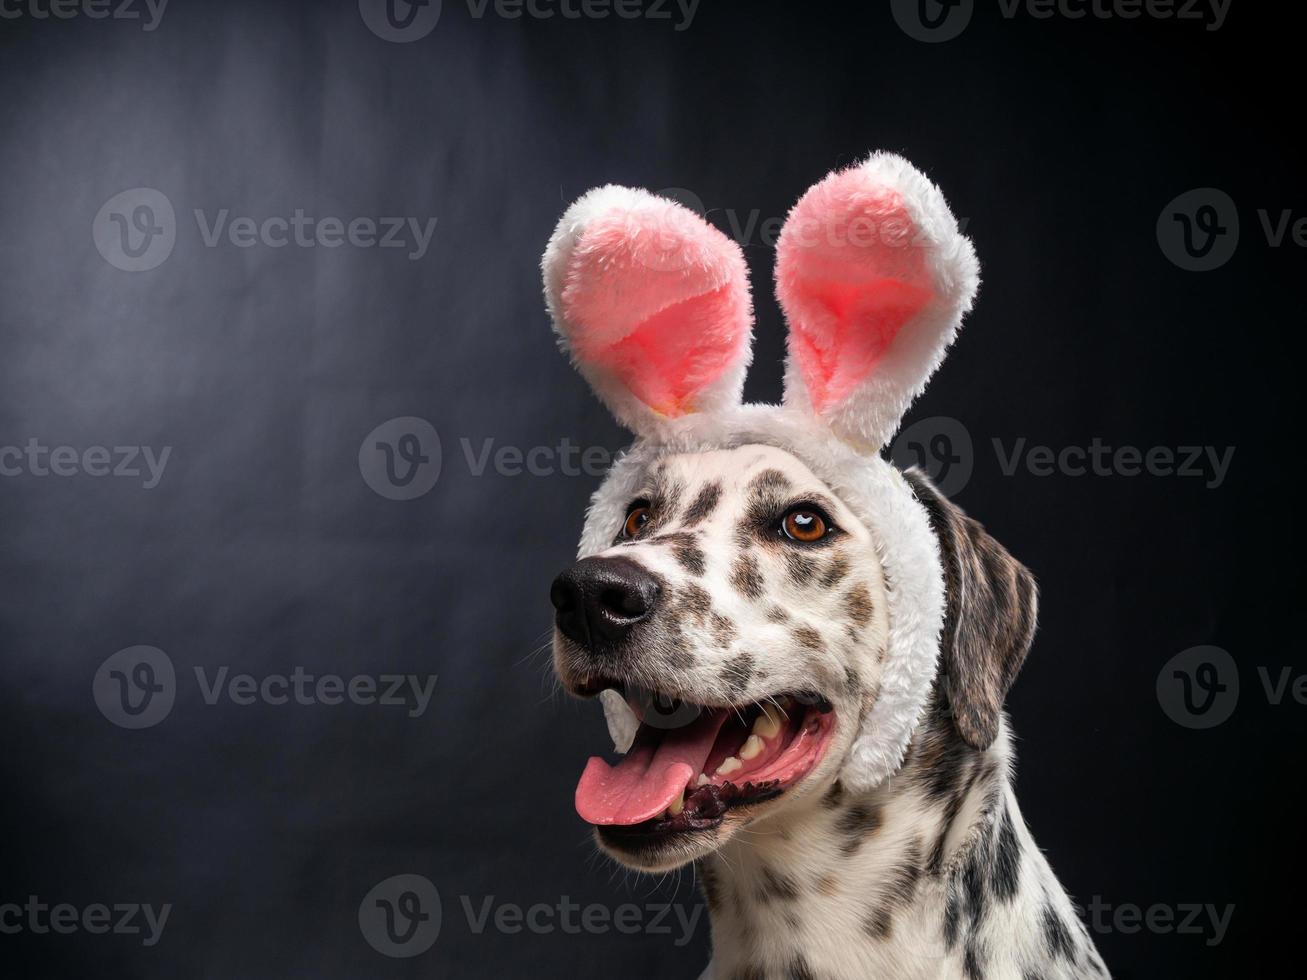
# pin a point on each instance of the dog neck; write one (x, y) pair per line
(896, 882)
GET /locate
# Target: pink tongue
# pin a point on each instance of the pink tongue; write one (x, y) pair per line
(650, 776)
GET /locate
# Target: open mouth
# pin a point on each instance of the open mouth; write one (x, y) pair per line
(691, 764)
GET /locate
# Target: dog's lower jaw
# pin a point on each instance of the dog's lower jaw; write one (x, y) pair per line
(932, 875)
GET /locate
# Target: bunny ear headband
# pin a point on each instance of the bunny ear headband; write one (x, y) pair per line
(652, 304)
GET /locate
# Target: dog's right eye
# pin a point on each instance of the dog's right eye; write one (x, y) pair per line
(636, 518)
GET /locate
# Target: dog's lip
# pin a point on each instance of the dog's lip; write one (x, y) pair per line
(593, 686)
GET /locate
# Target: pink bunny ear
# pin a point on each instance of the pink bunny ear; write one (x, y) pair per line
(874, 277)
(652, 304)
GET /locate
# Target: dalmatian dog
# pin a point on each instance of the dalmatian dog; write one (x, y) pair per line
(802, 652)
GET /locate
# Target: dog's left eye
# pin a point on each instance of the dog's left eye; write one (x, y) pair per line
(805, 524)
(636, 518)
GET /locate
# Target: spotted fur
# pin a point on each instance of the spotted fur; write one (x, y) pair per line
(931, 875)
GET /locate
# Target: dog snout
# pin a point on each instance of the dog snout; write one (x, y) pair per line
(598, 600)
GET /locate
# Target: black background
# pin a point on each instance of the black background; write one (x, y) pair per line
(1058, 141)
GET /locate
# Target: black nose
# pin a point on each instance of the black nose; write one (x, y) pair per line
(598, 600)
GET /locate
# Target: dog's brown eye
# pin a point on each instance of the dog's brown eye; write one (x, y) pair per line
(636, 519)
(804, 525)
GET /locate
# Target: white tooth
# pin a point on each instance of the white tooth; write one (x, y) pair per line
(751, 748)
(767, 724)
(703, 779)
(677, 806)
(622, 722)
(729, 765)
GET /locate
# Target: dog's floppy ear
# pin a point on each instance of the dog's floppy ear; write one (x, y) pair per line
(651, 303)
(989, 622)
(874, 277)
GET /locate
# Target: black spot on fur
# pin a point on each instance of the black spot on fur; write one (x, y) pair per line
(664, 500)
(802, 568)
(1057, 939)
(723, 629)
(698, 603)
(835, 572)
(974, 885)
(809, 637)
(1007, 859)
(703, 505)
(834, 795)
(769, 480)
(799, 969)
(972, 961)
(737, 672)
(952, 916)
(777, 886)
(673, 648)
(858, 605)
(692, 559)
(852, 682)
(746, 577)
(897, 895)
(777, 615)
(857, 824)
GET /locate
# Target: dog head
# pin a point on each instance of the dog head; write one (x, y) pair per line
(759, 597)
